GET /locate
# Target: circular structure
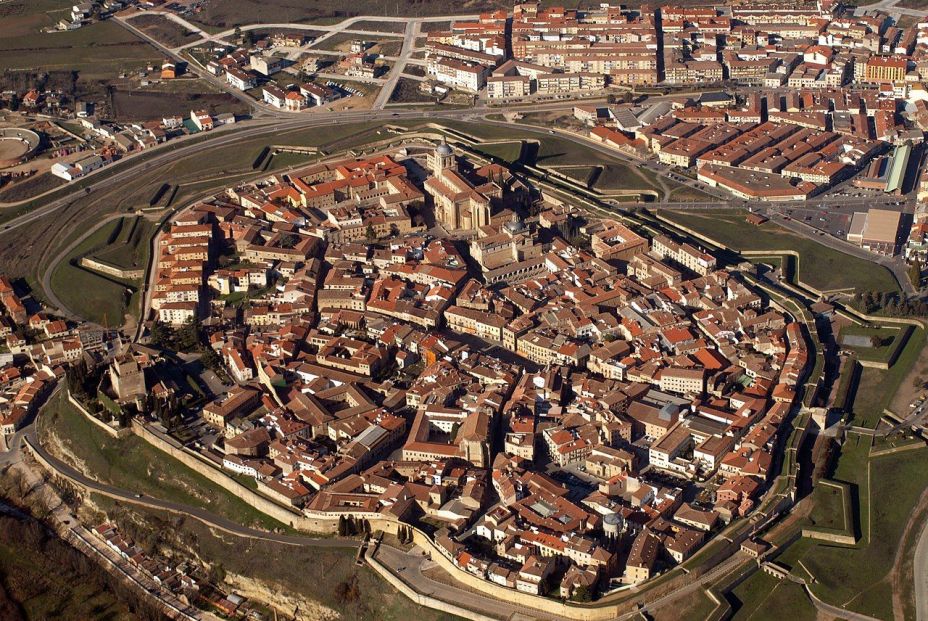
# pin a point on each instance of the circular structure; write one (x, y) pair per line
(613, 524)
(17, 145)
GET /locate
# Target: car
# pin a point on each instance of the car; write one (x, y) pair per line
(138, 495)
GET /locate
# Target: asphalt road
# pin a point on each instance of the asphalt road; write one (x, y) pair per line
(409, 567)
(920, 574)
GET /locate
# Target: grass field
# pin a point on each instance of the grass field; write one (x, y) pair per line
(22, 17)
(787, 600)
(858, 577)
(407, 91)
(100, 50)
(619, 176)
(828, 507)
(229, 13)
(148, 104)
(747, 596)
(696, 606)
(164, 31)
(581, 174)
(279, 161)
(506, 151)
(876, 387)
(128, 248)
(133, 464)
(819, 266)
(396, 27)
(557, 151)
(686, 193)
(28, 188)
(880, 353)
(91, 295)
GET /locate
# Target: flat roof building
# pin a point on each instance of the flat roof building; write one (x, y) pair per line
(876, 230)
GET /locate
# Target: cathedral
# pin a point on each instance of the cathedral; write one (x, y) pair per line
(459, 205)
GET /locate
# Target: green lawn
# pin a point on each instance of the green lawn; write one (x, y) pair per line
(558, 151)
(787, 600)
(686, 193)
(819, 266)
(618, 176)
(130, 249)
(876, 388)
(507, 151)
(858, 576)
(880, 353)
(748, 596)
(91, 295)
(696, 606)
(580, 174)
(279, 161)
(828, 507)
(133, 464)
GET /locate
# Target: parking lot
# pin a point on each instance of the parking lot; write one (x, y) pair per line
(834, 217)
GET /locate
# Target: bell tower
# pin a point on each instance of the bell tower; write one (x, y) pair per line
(443, 159)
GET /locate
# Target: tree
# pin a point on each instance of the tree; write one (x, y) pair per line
(915, 273)
(582, 594)
(188, 337)
(342, 526)
(161, 334)
(370, 233)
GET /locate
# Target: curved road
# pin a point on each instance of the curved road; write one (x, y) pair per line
(27, 435)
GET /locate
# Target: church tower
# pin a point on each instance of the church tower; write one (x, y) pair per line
(442, 159)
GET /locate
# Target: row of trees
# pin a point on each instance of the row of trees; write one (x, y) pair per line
(404, 534)
(351, 526)
(890, 304)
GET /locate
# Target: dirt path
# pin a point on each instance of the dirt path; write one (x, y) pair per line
(898, 574)
(907, 390)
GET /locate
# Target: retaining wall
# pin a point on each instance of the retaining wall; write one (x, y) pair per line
(121, 432)
(200, 465)
(111, 270)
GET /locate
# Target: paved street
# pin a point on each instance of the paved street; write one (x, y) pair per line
(920, 572)
(409, 567)
(890, 6)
